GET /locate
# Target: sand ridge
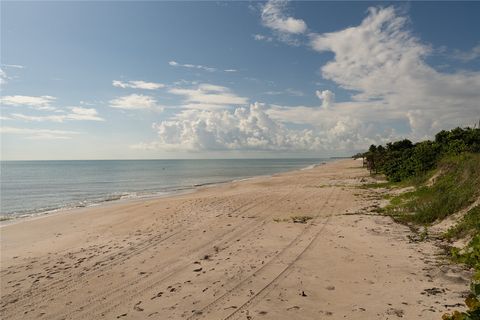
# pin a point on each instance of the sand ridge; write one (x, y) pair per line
(230, 252)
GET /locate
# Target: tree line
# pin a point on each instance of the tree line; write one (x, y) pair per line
(403, 159)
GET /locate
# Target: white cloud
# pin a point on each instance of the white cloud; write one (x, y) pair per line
(274, 17)
(274, 93)
(192, 66)
(16, 66)
(395, 93)
(40, 102)
(384, 64)
(294, 92)
(30, 118)
(265, 128)
(199, 67)
(3, 77)
(137, 84)
(288, 91)
(241, 129)
(261, 37)
(135, 102)
(327, 97)
(77, 113)
(209, 95)
(471, 55)
(39, 133)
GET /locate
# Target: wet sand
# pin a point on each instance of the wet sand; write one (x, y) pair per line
(230, 252)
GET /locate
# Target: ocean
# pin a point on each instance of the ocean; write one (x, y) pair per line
(38, 187)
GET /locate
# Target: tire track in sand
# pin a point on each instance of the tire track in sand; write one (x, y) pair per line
(90, 308)
(280, 265)
(68, 283)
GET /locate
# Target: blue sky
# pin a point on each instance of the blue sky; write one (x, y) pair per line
(122, 80)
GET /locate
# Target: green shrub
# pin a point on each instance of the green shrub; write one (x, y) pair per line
(402, 159)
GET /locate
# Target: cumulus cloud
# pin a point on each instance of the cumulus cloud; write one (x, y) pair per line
(208, 95)
(245, 128)
(384, 64)
(37, 102)
(274, 17)
(76, 113)
(41, 134)
(137, 84)
(256, 128)
(135, 102)
(327, 97)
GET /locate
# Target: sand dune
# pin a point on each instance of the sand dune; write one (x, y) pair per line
(229, 252)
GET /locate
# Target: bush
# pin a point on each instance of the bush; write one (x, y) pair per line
(402, 159)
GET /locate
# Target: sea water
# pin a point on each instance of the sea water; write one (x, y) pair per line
(38, 187)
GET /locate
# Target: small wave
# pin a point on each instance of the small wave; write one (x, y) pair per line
(209, 183)
(21, 214)
(313, 166)
(113, 197)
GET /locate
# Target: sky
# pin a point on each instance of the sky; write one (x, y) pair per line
(272, 79)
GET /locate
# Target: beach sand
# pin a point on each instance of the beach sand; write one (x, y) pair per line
(230, 252)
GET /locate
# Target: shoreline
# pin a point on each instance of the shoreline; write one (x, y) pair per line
(229, 251)
(10, 219)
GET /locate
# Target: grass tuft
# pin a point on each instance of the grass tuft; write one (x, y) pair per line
(301, 219)
(468, 225)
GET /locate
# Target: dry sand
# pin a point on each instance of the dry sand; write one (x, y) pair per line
(229, 252)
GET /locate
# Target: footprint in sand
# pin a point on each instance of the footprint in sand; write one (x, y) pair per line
(137, 307)
(158, 295)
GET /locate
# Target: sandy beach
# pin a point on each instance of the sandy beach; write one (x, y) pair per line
(233, 251)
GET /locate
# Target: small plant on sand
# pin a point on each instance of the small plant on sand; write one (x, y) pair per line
(377, 185)
(424, 234)
(419, 236)
(469, 224)
(472, 302)
(470, 256)
(301, 219)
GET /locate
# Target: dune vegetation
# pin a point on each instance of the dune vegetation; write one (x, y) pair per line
(443, 182)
